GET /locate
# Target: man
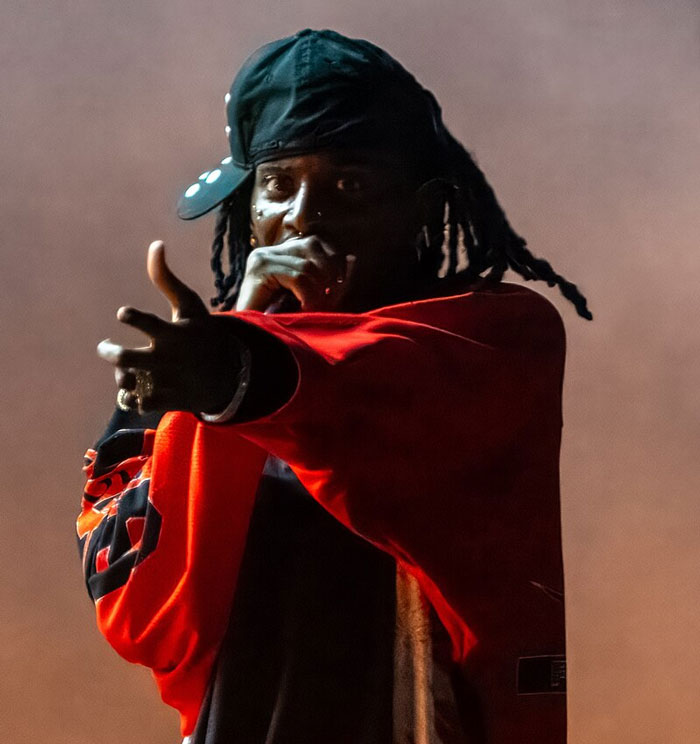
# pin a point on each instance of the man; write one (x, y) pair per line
(428, 605)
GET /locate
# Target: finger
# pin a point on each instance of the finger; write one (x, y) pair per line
(311, 294)
(287, 303)
(125, 378)
(327, 263)
(184, 302)
(344, 281)
(328, 258)
(336, 291)
(308, 256)
(259, 293)
(330, 264)
(109, 351)
(162, 399)
(128, 401)
(270, 270)
(119, 356)
(263, 263)
(149, 323)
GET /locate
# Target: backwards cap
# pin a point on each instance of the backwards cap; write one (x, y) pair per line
(315, 90)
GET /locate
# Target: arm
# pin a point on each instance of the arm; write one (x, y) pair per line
(443, 412)
(160, 504)
(155, 513)
(116, 528)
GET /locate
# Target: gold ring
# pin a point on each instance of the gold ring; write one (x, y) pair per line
(122, 398)
(144, 385)
(132, 400)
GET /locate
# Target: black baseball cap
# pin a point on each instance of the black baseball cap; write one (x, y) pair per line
(314, 90)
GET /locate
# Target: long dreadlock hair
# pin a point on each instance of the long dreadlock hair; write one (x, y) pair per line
(461, 216)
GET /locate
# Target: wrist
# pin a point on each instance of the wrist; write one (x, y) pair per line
(239, 367)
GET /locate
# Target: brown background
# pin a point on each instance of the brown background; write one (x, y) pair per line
(585, 117)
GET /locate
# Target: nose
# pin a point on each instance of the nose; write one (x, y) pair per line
(304, 214)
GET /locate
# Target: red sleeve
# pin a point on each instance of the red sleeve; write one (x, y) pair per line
(433, 430)
(162, 533)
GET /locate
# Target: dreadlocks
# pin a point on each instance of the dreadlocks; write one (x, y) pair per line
(460, 211)
(232, 230)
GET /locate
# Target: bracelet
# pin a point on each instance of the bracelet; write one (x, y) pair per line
(231, 409)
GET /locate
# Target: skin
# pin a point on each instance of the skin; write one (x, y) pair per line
(334, 231)
(332, 220)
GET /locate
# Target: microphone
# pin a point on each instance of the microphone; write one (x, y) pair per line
(286, 303)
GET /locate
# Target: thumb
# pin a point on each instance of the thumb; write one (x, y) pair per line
(184, 302)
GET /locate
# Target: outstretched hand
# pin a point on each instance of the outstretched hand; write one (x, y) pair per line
(191, 359)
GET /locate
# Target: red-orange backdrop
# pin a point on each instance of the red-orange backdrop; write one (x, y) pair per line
(585, 118)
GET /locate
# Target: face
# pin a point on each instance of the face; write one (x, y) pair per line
(357, 202)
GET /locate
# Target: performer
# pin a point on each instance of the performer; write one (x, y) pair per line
(346, 527)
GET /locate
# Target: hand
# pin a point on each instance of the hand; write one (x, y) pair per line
(302, 266)
(192, 359)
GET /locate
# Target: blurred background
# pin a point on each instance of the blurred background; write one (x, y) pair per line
(585, 118)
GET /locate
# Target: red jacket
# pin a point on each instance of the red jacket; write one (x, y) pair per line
(431, 428)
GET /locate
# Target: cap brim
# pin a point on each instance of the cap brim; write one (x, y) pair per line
(211, 188)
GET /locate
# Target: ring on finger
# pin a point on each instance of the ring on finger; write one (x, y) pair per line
(143, 388)
(132, 400)
(144, 384)
(125, 400)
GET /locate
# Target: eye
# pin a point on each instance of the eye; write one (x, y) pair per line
(349, 185)
(277, 185)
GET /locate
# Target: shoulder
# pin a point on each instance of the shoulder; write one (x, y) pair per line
(502, 314)
(519, 306)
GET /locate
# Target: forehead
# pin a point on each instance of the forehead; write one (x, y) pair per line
(368, 159)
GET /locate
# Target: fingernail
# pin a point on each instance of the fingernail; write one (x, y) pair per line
(123, 313)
